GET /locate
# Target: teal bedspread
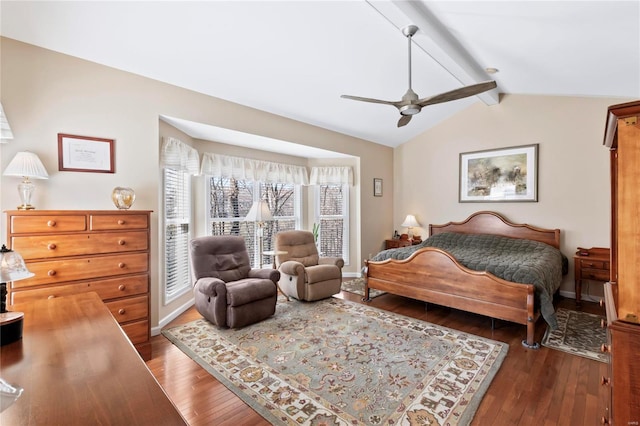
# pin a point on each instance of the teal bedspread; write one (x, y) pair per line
(515, 260)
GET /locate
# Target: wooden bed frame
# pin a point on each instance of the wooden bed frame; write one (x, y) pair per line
(433, 275)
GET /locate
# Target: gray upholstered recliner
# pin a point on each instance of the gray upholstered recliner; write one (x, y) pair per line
(227, 291)
(303, 273)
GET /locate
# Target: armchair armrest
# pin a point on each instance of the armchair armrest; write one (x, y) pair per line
(211, 286)
(270, 274)
(338, 261)
(292, 267)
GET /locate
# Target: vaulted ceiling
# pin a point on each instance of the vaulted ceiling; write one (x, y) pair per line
(295, 58)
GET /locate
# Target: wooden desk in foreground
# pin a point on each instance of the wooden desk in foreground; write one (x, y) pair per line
(77, 367)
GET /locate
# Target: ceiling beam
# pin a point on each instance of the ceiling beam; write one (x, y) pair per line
(439, 43)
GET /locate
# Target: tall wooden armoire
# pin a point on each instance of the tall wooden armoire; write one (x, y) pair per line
(622, 137)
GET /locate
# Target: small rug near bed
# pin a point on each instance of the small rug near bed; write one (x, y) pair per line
(357, 286)
(337, 362)
(578, 333)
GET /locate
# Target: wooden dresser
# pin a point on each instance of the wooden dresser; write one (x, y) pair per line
(622, 296)
(79, 251)
(77, 368)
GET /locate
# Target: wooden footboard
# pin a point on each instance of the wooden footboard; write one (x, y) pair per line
(433, 275)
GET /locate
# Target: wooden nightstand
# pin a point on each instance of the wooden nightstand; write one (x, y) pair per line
(591, 264)
(397, 243)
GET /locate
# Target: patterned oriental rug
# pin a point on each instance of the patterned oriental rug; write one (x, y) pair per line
(578, 333)
(357, 286)
(336, 362)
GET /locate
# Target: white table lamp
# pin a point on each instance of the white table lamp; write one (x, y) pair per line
(26, 165)
(410, 222)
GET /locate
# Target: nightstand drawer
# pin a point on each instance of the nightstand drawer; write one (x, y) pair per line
(595, 274)
(593, 264)
(389, 244)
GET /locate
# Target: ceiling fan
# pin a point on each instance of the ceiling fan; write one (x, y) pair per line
(411, 104)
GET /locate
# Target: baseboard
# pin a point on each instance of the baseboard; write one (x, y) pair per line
(155, 331)
(585, 297)
(351, 275)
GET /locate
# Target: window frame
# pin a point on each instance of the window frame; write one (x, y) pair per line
(344, 216)
(185, 219)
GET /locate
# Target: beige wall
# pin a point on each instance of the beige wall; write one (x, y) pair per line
(45, 93)
(573, 168)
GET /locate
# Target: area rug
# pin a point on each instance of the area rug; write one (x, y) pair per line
(357, 286)
(336, 362)
(578, 333)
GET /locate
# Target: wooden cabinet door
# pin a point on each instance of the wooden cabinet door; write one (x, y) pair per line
(628, 225)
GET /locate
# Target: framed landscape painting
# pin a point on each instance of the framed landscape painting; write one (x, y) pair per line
(505, 174)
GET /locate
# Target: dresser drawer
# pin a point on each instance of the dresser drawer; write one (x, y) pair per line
(106, 289)
(137, 332)
(129, 309)
(109, 222)
(47, 223)
(73, 269)
(51, 246)
(595, 274)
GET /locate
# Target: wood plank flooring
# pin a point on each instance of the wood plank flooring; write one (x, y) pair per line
(533, 387)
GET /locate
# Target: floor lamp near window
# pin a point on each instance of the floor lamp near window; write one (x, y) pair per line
(259, 213)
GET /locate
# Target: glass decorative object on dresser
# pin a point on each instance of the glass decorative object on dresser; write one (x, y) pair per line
(123, 197)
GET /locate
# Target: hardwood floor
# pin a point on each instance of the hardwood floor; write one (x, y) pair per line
(533, 387)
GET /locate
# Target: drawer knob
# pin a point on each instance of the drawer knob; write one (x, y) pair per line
(601, 303)
(590, 265)
(51, 223)
(121, 265)
(121, 242)
(51, 296)
(121, 311)
(604, 381)
(120, 222)
(51, 246)
(603, 324)
(51, 272)
(121, 287)
(604, 420)
(604, 348)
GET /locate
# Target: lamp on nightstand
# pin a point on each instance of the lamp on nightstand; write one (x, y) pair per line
(12, 268)
(410, 222)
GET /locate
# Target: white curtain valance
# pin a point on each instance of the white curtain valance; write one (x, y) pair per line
(177, 155)
(252, 170)
(331, 175)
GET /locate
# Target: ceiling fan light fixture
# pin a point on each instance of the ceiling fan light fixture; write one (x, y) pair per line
(410, 109)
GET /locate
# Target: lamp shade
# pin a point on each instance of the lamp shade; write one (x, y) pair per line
(259, 212)
(410, 222)
(26, 164)
(5, 129)
(12, 266)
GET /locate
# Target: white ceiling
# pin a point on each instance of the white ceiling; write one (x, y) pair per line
(295, 58)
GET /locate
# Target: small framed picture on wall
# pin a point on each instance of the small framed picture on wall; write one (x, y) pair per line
(377, 187)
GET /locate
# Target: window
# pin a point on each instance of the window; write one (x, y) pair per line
(177, 214)
(332, 214)
(229, 201)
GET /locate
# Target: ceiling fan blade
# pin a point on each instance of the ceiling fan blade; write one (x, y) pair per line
(375, 101)
(404, 120)
(460, 93)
